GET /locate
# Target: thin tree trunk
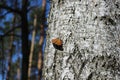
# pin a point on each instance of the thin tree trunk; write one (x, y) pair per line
(18, 64)
(11, 46)
(18, 69)
(40, 53)
(2, 54)
(18, 73)
(32, 46)
(10, 52)
(40, 57)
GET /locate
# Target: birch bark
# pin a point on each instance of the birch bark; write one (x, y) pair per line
(90, 32)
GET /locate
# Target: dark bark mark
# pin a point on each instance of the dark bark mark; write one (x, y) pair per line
(54, 65)
(90, 76)
(117, 5)
(96, 5)
(95, 18)
(77, 56)
(81, 68)
(108, 20)
(59, 1)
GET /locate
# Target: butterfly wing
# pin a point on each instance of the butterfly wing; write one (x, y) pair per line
(57, 43)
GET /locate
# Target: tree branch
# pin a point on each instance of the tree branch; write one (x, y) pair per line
(11, 30)
(32, 7)
(2, 16)
(16, 35)
(10, 9)
(7, 33)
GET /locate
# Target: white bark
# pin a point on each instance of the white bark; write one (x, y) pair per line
(90, 30)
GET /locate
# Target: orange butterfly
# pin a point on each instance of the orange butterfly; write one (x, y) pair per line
(58, 43)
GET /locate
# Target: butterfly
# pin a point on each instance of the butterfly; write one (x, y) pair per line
(58, 44)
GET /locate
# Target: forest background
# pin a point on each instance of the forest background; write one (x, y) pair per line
(19, 21)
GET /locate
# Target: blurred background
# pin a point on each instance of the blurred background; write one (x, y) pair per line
(20, 36)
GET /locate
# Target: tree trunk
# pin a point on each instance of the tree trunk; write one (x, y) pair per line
(40, 52)
(32, 46)
(90, 32)
(2, 57)
(11, 45)
(25, 47)
(40, 60)
(10, 51)
(18, 69)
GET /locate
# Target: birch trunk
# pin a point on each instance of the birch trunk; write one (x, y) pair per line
(90, 30)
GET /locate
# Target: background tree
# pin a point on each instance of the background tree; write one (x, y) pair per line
(11, 45)
(32, 46)
(22, 11)
(42, 34)
(9, 7)
(90, 32)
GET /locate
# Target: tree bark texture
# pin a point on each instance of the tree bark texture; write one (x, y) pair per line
(90, 30)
